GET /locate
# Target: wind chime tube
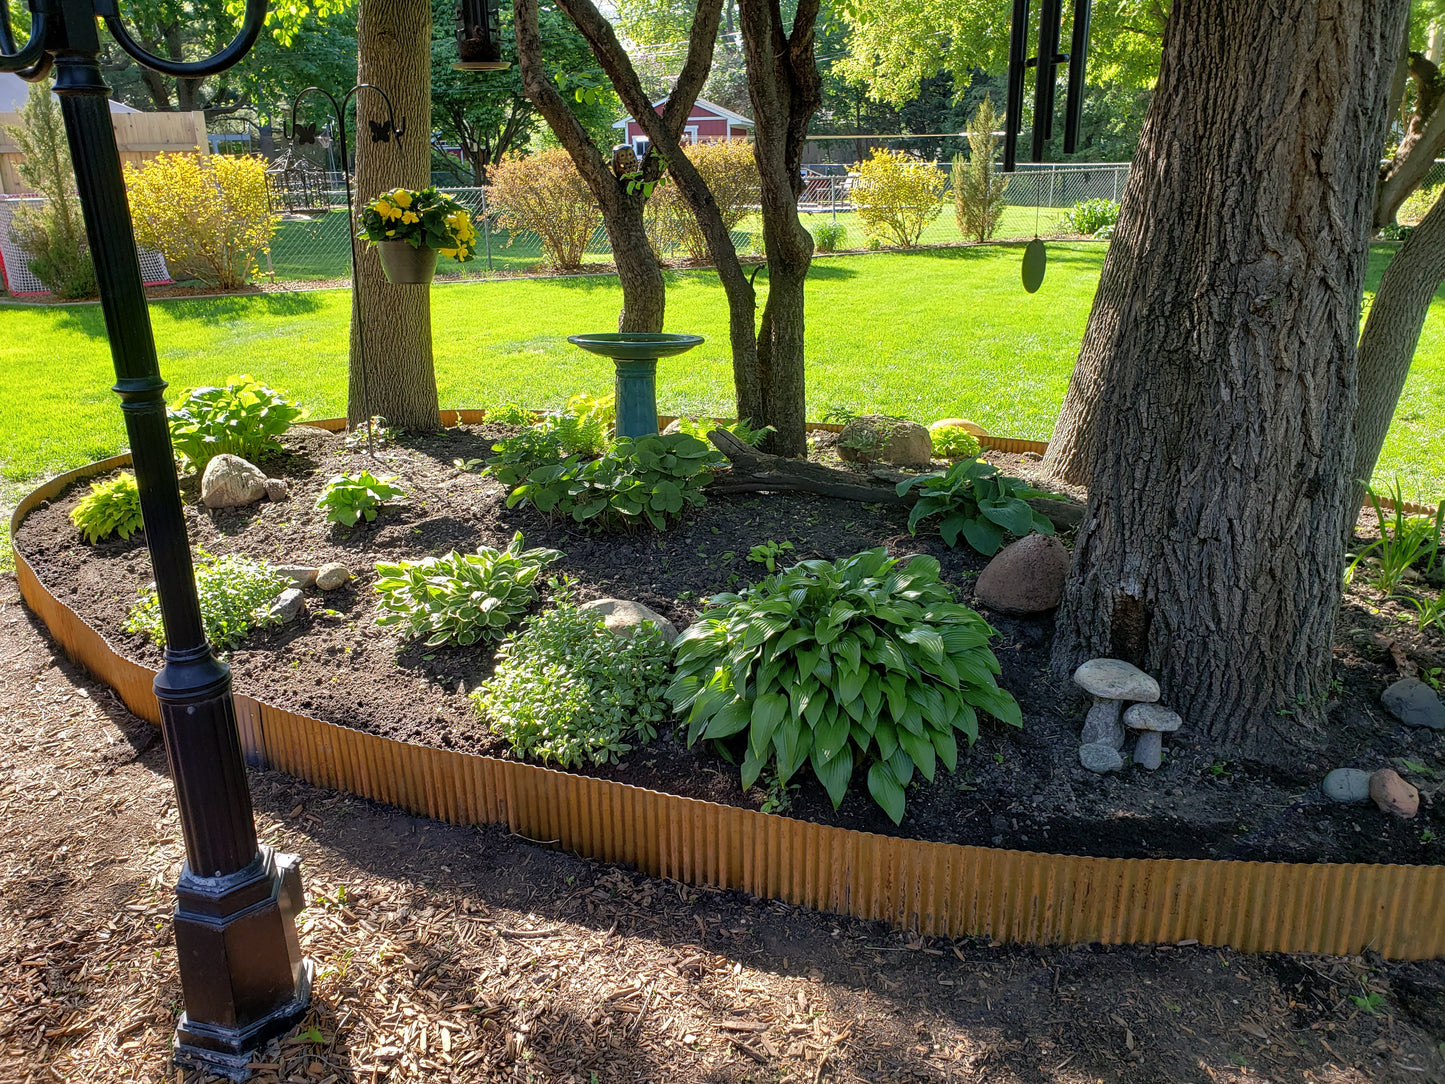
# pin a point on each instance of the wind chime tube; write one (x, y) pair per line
(1046, 65)
(1078, 56)
(1018, 40)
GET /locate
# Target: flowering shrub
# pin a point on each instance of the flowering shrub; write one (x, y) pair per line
(731, 173)
(544, 194)
(897, 195)
(207, 214)
(425, 219)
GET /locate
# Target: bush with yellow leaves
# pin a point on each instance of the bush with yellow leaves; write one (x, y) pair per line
(731, 173)
(207, 214)
(896, 195)
(544, 194)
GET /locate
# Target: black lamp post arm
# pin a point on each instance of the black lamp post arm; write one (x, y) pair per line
(32, 61)
(251, 24)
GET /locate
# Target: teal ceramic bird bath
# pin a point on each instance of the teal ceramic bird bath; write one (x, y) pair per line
(635, 354)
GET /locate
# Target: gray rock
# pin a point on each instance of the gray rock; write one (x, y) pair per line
(276, 489)
(873, 437)
(674, 426)
(1101, 725)
(301, 575)
(1025, 577)
(1100, 758)
(1115, 679)
(289, 605)
(1154, 717)
(1348, 785)
(231, 482)
(622, 616)
(1149, 750)
(1414, 703)
(332, 575)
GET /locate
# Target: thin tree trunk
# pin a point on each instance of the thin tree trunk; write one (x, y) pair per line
(395, 378)
(1224, 334)
(644, 296)
(1387, 345)
(785, 90)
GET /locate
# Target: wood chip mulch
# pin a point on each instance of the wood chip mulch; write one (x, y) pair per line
(462, 954)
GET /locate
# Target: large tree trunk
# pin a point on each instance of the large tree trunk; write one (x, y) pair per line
(644, 295)
(394, 377)
(1224, 337)
(785, 90)
(1387, 345)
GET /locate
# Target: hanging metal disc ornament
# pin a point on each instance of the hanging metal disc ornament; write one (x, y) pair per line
(1036, 260)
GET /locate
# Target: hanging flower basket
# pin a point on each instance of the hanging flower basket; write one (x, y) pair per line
(413, 228)
(406, 265)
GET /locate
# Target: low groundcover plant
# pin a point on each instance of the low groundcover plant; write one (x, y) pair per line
(349, 497)
(235, 593)
(863, 661)
(112, 508)
(566, 690)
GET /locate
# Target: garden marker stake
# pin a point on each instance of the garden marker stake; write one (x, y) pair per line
(243, 978)
(380, 133)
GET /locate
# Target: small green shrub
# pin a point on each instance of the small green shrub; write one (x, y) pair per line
(374, 433)
(243, 418)
(568, 691)
(954, 442)
(349, 497)
(1089, 217)
(1417, 205)
(1404, 540)
(865, 661)
(767, 553)
(509, 414)
(585, 427)
(235, 593)
(650, 478)
(979, 192)
(896, 196)
(1393, 231)
(517, 456)
(112, 507)
(829, 236)
(975, 501)
(460, 598)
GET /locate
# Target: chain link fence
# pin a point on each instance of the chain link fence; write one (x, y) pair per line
(314, 247)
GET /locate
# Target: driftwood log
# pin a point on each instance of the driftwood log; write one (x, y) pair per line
(758, 472)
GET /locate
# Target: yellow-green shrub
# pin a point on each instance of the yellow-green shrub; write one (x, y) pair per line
(207, 214)
(544, 194)
(897, 195)
(1417, 205)
(731, 173)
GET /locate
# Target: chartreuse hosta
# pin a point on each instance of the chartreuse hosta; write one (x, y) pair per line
(867, 662)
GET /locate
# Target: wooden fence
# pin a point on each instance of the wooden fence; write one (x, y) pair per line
(140, 136)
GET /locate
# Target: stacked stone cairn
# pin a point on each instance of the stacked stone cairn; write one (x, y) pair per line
(1114, 683)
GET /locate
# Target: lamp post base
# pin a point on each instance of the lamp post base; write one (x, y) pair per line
(242, 973)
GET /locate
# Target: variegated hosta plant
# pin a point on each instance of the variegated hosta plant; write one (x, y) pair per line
(460, 598)
(867, 661)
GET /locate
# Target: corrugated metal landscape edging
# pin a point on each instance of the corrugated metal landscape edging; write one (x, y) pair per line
(934, 888)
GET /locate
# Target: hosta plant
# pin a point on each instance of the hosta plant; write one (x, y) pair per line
(647, 479)
(112, 508)
(350, 497)
(866, 663)
(976, 502)
(235, 592)
(460, 598)
(568, 691)
(243, 418)
(954, 442)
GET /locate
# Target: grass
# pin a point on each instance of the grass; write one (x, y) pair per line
(927, 334)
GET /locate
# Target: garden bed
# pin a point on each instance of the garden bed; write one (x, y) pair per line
(1015, 789)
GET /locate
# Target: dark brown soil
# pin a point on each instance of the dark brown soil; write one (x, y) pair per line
(1021, 789)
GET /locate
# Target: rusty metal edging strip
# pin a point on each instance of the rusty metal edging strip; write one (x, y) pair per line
(939, 889)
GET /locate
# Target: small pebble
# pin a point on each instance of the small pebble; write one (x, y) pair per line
(332, 575)
(1347, 785)
(1099, 757)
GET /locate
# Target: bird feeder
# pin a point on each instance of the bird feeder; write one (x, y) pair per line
(479, 42)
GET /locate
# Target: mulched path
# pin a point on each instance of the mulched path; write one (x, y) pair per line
(459, 954)
(1019, 789)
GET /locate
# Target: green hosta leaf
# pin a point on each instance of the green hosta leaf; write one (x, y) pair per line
(752, 767)
(920, 750)
(769, 709)
(831, 734)
(729, 720)
(946, 746)
(1012, 514)
(983, 536)
(926, 638)
(997, 703)
(834, 773)
(886, 791)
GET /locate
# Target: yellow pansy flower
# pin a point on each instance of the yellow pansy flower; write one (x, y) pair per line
(408, 217)
(402, 197)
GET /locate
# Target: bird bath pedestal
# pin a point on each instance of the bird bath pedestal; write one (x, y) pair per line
(635, 354)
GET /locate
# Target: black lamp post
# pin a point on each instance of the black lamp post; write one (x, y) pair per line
(242, 974)
(479, 42)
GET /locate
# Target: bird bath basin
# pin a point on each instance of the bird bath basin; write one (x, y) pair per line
(635, 354)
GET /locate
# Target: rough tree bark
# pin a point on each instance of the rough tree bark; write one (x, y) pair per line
(1424, 139)
(1387, 345)
(785, 90)
(398, 380)
(644, 297)
(1224, 335)
(663, 131)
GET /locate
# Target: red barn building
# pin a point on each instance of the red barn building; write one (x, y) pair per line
(707, 121)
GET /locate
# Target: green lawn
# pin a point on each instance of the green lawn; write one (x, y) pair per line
(928, 334)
